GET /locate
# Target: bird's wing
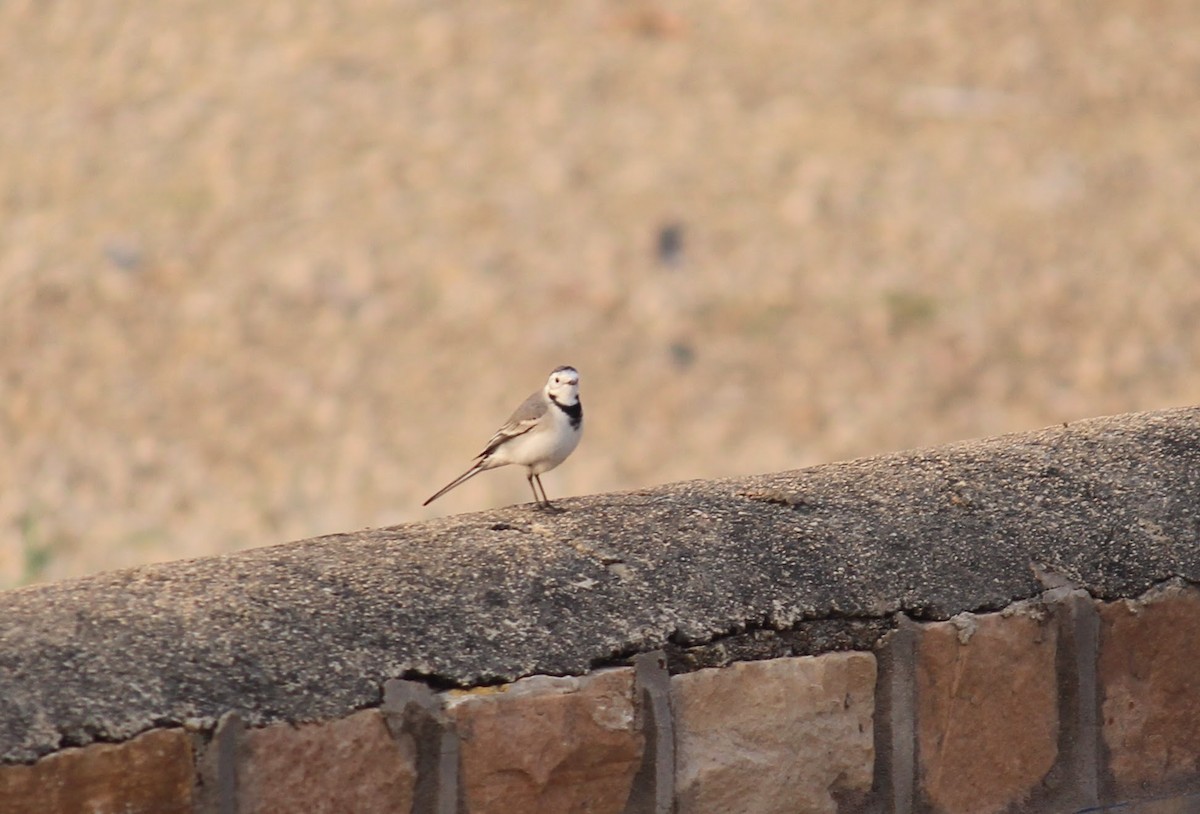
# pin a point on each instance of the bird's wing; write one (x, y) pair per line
(523, 419)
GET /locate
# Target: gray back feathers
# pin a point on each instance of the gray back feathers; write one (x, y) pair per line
(523, 419)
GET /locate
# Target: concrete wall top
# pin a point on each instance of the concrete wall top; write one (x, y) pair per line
(310, 630)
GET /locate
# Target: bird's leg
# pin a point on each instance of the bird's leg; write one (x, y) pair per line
(536, 499)
(546, 504)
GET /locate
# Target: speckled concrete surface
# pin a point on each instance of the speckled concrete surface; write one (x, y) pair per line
(312, 629)
(269, 271)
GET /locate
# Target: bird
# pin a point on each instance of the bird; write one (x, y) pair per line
(539, 435)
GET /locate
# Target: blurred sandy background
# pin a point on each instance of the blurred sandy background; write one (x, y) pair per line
(271, 270)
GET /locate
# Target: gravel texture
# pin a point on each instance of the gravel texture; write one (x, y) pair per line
(818, 559)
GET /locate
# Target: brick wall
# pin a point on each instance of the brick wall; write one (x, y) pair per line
(1003, 625)
(1063, 703)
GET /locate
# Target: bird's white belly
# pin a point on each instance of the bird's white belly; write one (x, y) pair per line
(543, 448)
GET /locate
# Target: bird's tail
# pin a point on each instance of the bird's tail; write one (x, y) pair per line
(461, 479)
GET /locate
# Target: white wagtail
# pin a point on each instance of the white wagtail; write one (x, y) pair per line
(539, 435)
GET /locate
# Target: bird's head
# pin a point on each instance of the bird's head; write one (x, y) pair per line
(563, 385)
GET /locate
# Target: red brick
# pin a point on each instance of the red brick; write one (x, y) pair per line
(549, 745)
(352, 764)
(776, 736)
(986, 711)
(1149, 677)
(150, 774)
